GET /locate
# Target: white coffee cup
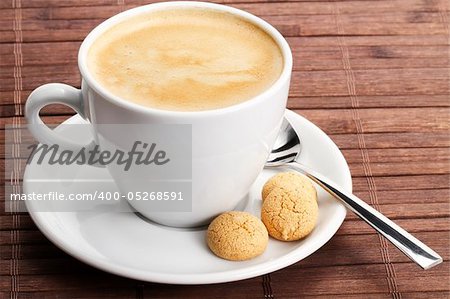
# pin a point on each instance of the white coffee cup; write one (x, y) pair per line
(229, 145)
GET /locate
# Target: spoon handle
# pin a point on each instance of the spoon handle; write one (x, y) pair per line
(417, 251)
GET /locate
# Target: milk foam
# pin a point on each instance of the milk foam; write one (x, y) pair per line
(185, 59)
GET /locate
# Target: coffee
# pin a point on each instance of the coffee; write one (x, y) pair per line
(185, 60)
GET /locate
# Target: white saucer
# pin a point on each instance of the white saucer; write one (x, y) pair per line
(127, 245)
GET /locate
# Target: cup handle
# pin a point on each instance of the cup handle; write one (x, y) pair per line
(53, 93)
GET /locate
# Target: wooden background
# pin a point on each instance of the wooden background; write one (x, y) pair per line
(373, 74)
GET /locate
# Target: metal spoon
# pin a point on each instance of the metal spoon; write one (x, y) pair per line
(285, 153)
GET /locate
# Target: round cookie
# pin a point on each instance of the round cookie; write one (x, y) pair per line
(288, 181)
(237, 236)
(290, 214)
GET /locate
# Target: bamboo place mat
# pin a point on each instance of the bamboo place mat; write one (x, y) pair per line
(374, 75)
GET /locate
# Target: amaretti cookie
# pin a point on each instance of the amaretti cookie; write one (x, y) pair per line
(237, 236)
(290, 214)
(287, 180)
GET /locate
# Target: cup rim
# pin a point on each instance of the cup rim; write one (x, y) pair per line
(105, 25)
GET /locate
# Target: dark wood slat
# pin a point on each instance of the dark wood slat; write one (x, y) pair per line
(380, 120)
(352, 7)
(66, 265)
(66, 282)
(387, 51)
(40, 36)
(43, 283)
(373, 41)
(84, 292)
(408, 279)
(298, 26)
(415, 225)
(311, 64)
(425, 295)
(418, 196)
(32, 251)
(393, 140)
(371, 82)
(23, 222)
(93, 11)
(25, 237)
(399, 155)
(392, 101)
(410, 210)
(88, 17)
(355, 279)
(304, 7)
(407, 182)
(403, 168)
(53, 3)
(349, 249)
(55, 109)
(313, 28)
(33, 24)
(412, 295)
(47, 119)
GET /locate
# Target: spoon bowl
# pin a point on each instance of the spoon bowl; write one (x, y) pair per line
(287, 146)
